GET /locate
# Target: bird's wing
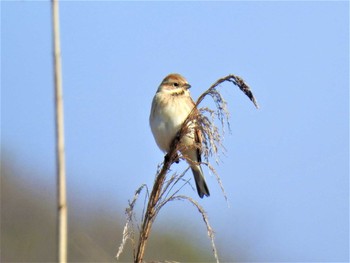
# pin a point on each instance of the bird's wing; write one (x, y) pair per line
(198, 140)
(198, 137)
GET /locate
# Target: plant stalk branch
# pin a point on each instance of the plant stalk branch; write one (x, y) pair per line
(60, 156)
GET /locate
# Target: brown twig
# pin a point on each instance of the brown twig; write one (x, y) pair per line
(153, 201)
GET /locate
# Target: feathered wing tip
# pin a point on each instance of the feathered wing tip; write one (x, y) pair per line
(201, 185)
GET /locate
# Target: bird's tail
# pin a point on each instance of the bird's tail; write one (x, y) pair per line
(201, 185)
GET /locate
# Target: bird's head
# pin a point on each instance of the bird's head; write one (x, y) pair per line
(174, 83)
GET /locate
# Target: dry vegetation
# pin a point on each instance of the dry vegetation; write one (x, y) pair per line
(167, 188)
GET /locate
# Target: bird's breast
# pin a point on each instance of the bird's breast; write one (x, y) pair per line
(167, 116)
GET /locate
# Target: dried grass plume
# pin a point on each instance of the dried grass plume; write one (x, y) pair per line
(166, 187)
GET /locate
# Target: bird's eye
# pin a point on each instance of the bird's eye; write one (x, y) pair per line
(176, 84)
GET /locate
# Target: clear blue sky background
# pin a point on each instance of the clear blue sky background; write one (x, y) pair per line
(286, 170)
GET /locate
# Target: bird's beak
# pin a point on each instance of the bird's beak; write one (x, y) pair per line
(187, 86)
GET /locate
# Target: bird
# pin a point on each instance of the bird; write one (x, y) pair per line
(171, 106)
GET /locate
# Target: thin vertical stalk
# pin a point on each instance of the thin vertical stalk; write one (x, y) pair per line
(151, 212)
(153, 202)
(60, 158)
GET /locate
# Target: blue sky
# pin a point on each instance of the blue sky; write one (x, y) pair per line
(286, 170)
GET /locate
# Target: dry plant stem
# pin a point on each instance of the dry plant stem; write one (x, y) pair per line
(61, 175)
(152, 203)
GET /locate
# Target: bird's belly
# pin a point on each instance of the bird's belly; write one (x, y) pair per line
(166, 125)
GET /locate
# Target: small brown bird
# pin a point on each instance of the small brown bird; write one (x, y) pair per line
(171, 106)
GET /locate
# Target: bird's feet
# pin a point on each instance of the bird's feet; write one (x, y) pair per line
(175, 159)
